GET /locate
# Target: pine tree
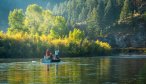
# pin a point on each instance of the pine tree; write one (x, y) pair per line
(110, 12)
(100, 11)
(93, 15)
(125, 10)
(89, 14)
(82, 15)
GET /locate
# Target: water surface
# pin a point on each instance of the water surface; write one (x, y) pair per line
(89, 70)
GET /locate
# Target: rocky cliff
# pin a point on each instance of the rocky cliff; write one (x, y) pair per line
(127, 34)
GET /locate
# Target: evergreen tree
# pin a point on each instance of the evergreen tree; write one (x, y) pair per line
(93, 16)
(120, 2)
(100, 15)
(100, 12)
(82, 15)
(110, 12)
(55, 9)
(89, 14)
(125, 10)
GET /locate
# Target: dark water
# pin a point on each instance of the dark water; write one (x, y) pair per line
(95, 70)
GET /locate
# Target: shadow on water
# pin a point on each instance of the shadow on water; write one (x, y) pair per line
(95, 70)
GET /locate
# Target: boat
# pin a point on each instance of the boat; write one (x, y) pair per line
(58, 60)
(50, 60)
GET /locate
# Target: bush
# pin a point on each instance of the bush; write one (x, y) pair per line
(24, 45)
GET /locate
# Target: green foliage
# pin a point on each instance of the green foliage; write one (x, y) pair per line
(76, 35)
(125, 10)
(37, 29)
(93, 15)
(99, 15)
(100, 12)
(110, 12)
(33, 10)
(82, 15)
(59, 28)
(47, 23)
(16, 19)
(33, 18)
(145, 16)
(24, 45)
(37, 20)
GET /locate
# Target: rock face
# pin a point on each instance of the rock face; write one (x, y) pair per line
(124, 41)
(135, 40)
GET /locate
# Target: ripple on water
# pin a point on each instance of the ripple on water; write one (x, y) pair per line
(110, 83)
(84, 64)
(92, 74)
(4, 66)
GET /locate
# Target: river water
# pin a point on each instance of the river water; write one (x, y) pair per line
(88, 70)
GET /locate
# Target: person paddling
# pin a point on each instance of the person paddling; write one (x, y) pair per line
(57, 53)
(48, 54)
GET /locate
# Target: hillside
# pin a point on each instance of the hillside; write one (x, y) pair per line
(119, 22)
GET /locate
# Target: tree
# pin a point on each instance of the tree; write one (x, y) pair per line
(94, 15)
(76, 35)
(110, 12)
(125, 10)
(59, 29)
(120, 2)
(16, 19)
(100, 11)
(100, 15)
(33, 18)
(82, 15)
(47, 23)
(91, 3)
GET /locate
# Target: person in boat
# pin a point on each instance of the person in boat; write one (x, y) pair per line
(48, 54)
(57, 54)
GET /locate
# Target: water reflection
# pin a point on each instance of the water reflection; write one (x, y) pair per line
(101, 70)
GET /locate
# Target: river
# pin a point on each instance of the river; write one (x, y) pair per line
(84, 70)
